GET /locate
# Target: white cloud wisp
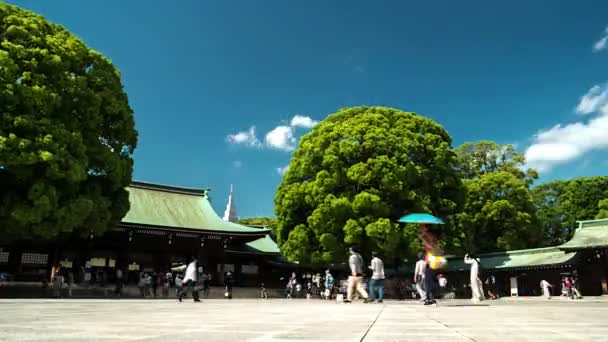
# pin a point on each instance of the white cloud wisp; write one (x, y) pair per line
(601, 44)
(247, 138)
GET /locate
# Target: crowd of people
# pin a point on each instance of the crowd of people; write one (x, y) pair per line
(425, 283)
(325, 286)
(569, 287)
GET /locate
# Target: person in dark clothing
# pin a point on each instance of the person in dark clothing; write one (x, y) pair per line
(228, 281)
(154, 283)
(428, 285)
(119, 282)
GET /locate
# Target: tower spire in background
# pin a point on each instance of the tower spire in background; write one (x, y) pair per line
(230, 213)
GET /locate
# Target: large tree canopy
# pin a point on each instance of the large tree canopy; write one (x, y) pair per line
(498, 211)
(66, 131)
(561, 203)
(355, 174)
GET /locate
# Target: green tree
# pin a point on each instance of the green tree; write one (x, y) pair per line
(580, 199)
(498, 211)
(66, 132)
(550, 211)
(498, 214)
(355, 174)
(269, 222)
(478, 158)
(603, 209)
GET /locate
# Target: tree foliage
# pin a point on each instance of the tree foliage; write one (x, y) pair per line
(269, 222)
(355, 174)
(476, 159)
(498, 212)
(603, 209)
(66, 131)
(550, 212)
(560, 204)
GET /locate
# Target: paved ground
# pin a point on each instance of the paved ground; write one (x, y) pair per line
(280, 320)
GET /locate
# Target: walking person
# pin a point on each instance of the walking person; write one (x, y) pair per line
(167, 277)
(58, 282)
(476, 285)
(377, 281)
(419, 273)
(118, 289)
(574, 285)
(206, 281)
(291, 285)
(491, 283)
(189, 281)
(329, 284)
(228, 281)
(545, 286)
(355, 262)
(70, 282)
(428, 285)
(141, 284)
(179, 282)
(155, 279)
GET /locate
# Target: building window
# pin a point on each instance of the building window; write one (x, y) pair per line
(249, 269)
(34, 258)
(3, 257)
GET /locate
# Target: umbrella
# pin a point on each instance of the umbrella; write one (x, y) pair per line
(421, 218)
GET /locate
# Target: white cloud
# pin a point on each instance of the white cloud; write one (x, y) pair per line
(303, 121)
(237, 164)
(602, 43)
(564, 143)
(281, 138)
(281, 170)
(595, 100)
(247, 138)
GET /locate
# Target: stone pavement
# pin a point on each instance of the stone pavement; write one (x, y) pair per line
(288, 320)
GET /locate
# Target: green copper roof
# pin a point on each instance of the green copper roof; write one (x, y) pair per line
(173, 207)
(524, 258)
(590, 234)
(264, 245)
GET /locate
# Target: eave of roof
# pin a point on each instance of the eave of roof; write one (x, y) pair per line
(591, 234)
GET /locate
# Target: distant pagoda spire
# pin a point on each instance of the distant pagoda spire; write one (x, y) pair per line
(230, 213)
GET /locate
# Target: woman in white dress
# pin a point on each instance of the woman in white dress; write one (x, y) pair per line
(476, 285)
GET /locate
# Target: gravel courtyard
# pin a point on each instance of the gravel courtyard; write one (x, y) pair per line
(300, 320)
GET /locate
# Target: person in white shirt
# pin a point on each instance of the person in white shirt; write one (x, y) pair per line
(355, 262)
(189, 279)
(476, 285)
(545, 286)
(377, 280)
(419, 276)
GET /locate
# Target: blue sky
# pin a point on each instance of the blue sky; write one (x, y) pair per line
(201, 74)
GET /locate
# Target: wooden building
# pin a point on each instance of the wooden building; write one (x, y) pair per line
(165, 225)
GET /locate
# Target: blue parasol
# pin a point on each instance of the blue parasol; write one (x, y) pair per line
(421, 218)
